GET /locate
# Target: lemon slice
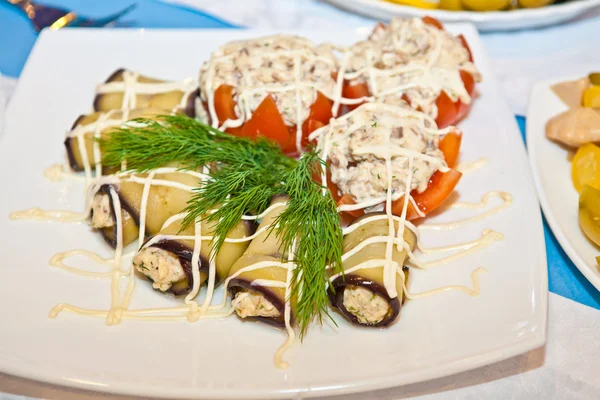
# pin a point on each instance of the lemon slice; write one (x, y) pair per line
(430, 5)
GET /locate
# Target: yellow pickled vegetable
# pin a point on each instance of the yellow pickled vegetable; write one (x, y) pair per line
(486, 5)
(534, 3)
(591, 97)
(589, 213)
(594, 78)
(454, 5)
(585, 168)
(430, 5)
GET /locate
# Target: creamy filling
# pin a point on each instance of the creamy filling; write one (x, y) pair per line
(247, 303)
(368, 307)
(101, 212)
(360, 144)
(160, 266)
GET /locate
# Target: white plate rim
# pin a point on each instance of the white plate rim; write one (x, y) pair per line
(562, 238)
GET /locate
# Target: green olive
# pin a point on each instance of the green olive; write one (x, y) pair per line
(534, 3)
(595, 78)
(589, 213)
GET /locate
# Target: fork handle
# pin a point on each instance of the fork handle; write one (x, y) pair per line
(24, 5)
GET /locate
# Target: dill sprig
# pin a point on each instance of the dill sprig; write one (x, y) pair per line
(312, 221)
(147, 144)
(244, 177)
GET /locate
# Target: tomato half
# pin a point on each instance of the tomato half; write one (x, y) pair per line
(450, 146)
(225, 106)
(433, 22)
(461, 108)
(441, 185)
(320, 114)
(356, 91)
(348, 200)
(267, 120)
(449, 112)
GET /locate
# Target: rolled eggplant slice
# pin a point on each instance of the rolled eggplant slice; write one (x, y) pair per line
(168, 195)
(166, 259)
(86, 127)
(361, 296)
(126, 89)
(260, 294)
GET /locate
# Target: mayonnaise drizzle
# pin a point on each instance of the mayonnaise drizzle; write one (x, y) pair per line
(467, 167)
(37, 214)
(58, 172)
(506, 202)
(475, 291)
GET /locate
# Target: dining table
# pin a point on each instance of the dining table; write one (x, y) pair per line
(567, 366)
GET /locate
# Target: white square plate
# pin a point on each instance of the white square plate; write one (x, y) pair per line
(435, 336)
(552, 173)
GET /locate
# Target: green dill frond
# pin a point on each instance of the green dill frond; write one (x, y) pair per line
(312, 220)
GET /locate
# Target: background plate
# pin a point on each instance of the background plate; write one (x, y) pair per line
(436, 336)
(552, 173)
(485, 21)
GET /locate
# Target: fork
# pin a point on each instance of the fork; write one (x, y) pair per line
(56, 18)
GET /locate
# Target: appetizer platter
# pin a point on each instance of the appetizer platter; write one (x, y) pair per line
(487, 15)
(563, 126)
(254, 208)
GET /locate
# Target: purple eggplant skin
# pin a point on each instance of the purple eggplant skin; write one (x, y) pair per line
(111, 78)
(125, 207)
(336, 298)
(236, 285)
(69, 147)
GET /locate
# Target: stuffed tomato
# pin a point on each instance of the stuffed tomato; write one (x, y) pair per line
(414, 61)
(378, 153)
(280, 87)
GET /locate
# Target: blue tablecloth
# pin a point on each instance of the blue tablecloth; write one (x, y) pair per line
(17, 38)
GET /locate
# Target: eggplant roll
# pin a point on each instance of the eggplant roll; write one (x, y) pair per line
(360, 295)
(250, 298)
(86, 126)
(180, 96)
(163, 202)
(168, 262)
